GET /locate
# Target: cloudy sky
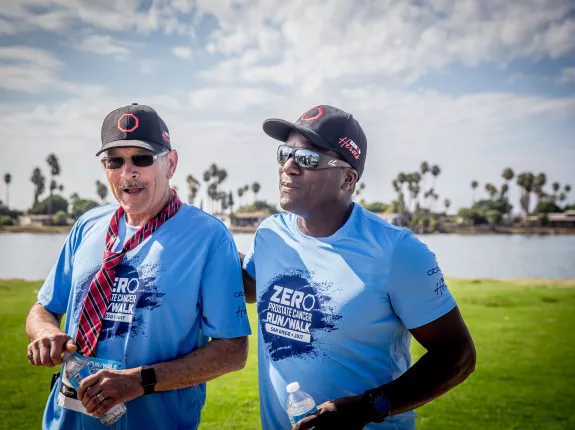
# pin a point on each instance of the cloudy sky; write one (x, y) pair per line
(473, 86)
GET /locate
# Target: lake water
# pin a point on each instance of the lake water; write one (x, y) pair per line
(31, 256)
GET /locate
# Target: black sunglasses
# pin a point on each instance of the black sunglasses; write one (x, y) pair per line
(308, 158)
(140, 160)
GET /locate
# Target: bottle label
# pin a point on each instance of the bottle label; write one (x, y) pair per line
(297, 418)
(68, 396)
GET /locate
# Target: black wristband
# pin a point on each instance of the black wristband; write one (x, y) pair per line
(148, 379)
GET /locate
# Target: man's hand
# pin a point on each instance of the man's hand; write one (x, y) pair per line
(47, 348)
(107, 388)
(348, 413)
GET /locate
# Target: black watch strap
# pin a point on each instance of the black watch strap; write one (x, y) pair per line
(148, 379)
(379, 406)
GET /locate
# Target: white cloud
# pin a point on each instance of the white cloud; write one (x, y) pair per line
(183, 52)
(567, 76)
(6, 27)
(328, 40)
(103, 45)
(23, 68)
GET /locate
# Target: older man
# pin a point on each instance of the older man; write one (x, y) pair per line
(340, 292)
(144, 285)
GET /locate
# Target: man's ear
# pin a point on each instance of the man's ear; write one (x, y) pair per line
(350, 180)
(172, 163)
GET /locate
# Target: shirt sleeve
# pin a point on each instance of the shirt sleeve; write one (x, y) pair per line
(416, 287)
(224, 312)
(55, 292)
(249, 260)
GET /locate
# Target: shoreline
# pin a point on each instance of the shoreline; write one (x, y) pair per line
(461, 230)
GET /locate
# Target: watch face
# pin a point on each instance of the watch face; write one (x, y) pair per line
(381, 405)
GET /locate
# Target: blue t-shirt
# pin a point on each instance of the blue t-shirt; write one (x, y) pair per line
(334, 312)
(171, 294)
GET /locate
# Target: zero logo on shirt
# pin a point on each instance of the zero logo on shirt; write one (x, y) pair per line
(293, 310)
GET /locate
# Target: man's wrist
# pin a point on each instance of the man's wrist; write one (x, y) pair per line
(378, 405)
(147, 379)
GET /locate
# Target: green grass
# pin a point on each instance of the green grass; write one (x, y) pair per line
(525, 377)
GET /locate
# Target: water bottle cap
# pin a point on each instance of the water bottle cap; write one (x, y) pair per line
(293, 387)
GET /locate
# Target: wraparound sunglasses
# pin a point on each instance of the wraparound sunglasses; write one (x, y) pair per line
(308, 158)
(140, 160)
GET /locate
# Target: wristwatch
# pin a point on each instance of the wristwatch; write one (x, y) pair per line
(148, 379)
(379, 405)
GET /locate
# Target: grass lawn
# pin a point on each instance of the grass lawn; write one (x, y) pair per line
(525, 378)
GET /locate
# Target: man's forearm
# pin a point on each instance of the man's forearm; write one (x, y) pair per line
(433, 375)
(215, 359)
(41, 322)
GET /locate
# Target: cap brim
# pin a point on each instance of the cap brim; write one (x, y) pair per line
(150, 146)
(280, 129)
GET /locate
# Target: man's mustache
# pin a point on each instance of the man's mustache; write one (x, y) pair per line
(132, 184)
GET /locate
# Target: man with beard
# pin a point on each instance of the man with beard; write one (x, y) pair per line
(340, 292)
(144, 286)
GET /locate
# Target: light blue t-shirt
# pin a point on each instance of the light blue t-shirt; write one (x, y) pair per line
(172, 293)
(334, 312)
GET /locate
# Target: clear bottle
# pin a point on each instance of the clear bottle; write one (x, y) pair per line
(78, 368)
(299, 403)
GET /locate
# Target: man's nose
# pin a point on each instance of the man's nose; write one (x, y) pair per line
(129, 170)
(290, 167)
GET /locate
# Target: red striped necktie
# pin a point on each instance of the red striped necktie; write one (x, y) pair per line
(98, 297)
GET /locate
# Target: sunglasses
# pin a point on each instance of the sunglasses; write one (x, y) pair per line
(140, 160)
(308, 158)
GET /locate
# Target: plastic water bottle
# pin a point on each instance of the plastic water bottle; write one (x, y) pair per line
(299, 403)
(78, 368)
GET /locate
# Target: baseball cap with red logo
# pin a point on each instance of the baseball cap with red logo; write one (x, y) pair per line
(135, 126)
(327, 127)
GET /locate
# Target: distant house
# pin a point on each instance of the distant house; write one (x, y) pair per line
(248, 219)
(35, 220)
(392, 218)
(562, 219)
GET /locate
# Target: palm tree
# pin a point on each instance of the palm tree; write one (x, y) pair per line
(435, 171)
(556, 187)
(256, 189)
(193, 187)
(360, 188)
(447, 203)
(539, 183)
(567, 189)
(54, 164)
(231, 202)
(508, 174)
(474, 185)
(7, 180)
(240, 194)
(39, 182)
(491, 189)
(102, 191)
(424, 170)
(525, 181)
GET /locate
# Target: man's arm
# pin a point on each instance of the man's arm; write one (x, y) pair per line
(449, 360)
(217, 358)
(249, 282)
(47, 341)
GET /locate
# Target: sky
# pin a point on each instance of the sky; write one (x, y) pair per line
(473, 86)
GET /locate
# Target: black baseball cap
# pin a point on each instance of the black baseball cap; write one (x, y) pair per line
(327, 127)
(135, 126)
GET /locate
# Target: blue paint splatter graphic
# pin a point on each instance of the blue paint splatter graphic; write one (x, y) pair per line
(135, 293)
(293, 310)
